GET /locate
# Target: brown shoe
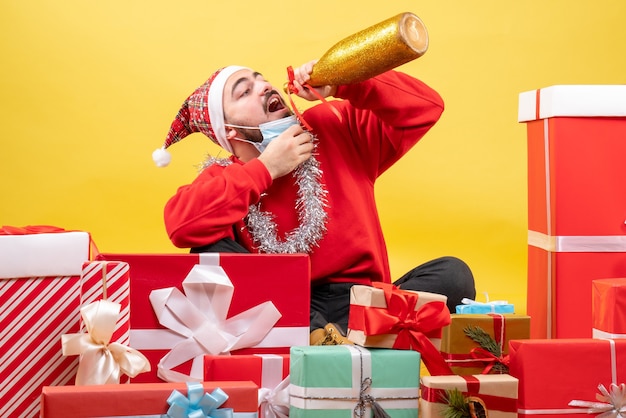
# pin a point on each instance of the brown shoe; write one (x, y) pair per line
(329, 335)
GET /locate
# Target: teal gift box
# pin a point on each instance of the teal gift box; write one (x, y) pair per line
(343, 381)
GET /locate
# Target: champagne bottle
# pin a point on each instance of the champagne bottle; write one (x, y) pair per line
(372, 51)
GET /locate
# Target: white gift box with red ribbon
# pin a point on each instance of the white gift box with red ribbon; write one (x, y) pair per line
(43, 254)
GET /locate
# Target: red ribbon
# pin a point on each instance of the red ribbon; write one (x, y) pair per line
(292, 89)
(493, 403)
(413, 327)
(30, 229)
(486, 356)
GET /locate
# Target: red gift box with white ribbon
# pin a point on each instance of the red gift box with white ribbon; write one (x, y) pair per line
(561, 377)
(270, 372)
(184, 306)
(576, 201)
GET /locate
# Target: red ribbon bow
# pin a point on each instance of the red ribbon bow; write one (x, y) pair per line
(413, 327)
(491, 359)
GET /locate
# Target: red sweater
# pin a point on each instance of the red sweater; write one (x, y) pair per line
(382, 119)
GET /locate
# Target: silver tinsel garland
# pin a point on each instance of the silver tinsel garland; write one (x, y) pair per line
(311, 206)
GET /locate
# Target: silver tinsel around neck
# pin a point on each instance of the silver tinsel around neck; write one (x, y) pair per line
(311, 207)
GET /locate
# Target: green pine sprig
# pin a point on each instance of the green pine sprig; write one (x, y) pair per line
(456, 404)
(482, 338)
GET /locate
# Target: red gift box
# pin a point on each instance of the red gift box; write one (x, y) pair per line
(609, 308)
(554, 372)
(257, 278)
(135, 399)
(575, 201)
(267, 371)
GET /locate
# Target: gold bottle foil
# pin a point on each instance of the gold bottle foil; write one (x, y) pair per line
(372, 51)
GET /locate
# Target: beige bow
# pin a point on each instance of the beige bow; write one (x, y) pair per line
(102, 361)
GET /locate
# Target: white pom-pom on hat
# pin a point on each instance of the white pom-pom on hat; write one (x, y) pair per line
(161, 157)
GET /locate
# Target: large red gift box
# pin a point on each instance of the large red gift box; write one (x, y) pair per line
(36, 311)
(554, 372)
(576, 177)
(283, 280)
(137, 399)
(609, 308)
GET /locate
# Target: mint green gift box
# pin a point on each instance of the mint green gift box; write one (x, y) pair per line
(339, 381)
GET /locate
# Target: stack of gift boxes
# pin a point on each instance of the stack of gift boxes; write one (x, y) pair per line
(85, 334)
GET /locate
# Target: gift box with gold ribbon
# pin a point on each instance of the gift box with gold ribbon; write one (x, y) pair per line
(488, 395)
(385, 316)
(344, 381)
(570, 377)
(151, 400)
(609, 308)
(479, 343)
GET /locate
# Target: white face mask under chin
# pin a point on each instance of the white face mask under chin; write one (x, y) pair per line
(269, 130)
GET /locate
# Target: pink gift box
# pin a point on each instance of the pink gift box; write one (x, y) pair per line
(576, 203)
(257, 278)
(609, 308)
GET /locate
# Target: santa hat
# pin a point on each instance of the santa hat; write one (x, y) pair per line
(203, 112)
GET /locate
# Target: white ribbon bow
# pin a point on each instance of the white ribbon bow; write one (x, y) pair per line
(274, 403)
(101, 361)
(612, 404)
(467, 301)
(199, 316)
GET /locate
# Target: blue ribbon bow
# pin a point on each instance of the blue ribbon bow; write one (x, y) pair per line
(198, 403)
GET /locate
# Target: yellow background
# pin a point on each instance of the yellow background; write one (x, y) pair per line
(89, 89)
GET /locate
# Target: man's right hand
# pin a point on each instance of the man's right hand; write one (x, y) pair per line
(287, 151)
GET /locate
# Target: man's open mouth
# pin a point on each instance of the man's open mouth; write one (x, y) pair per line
(274, 103)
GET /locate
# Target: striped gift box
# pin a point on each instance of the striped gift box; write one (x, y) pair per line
(34, 313)
(108, 280)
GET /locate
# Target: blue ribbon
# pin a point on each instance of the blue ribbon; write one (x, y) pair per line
(198, 403)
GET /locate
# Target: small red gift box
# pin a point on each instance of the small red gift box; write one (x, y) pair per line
(267, 371)
(575, 201)
(609, 308)
(554, 372)
(136, 399)
(283, 280)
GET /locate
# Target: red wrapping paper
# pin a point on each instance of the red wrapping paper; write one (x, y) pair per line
(575, 202)
(553, 372)
(257, 278)
(609, 308)
(133, 399)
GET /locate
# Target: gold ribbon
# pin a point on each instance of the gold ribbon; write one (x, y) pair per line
(612, 404)
(102, 361)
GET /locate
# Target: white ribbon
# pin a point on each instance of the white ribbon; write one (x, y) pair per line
(612, 404)
(274, 403)
(101, 361)
(199, 315)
